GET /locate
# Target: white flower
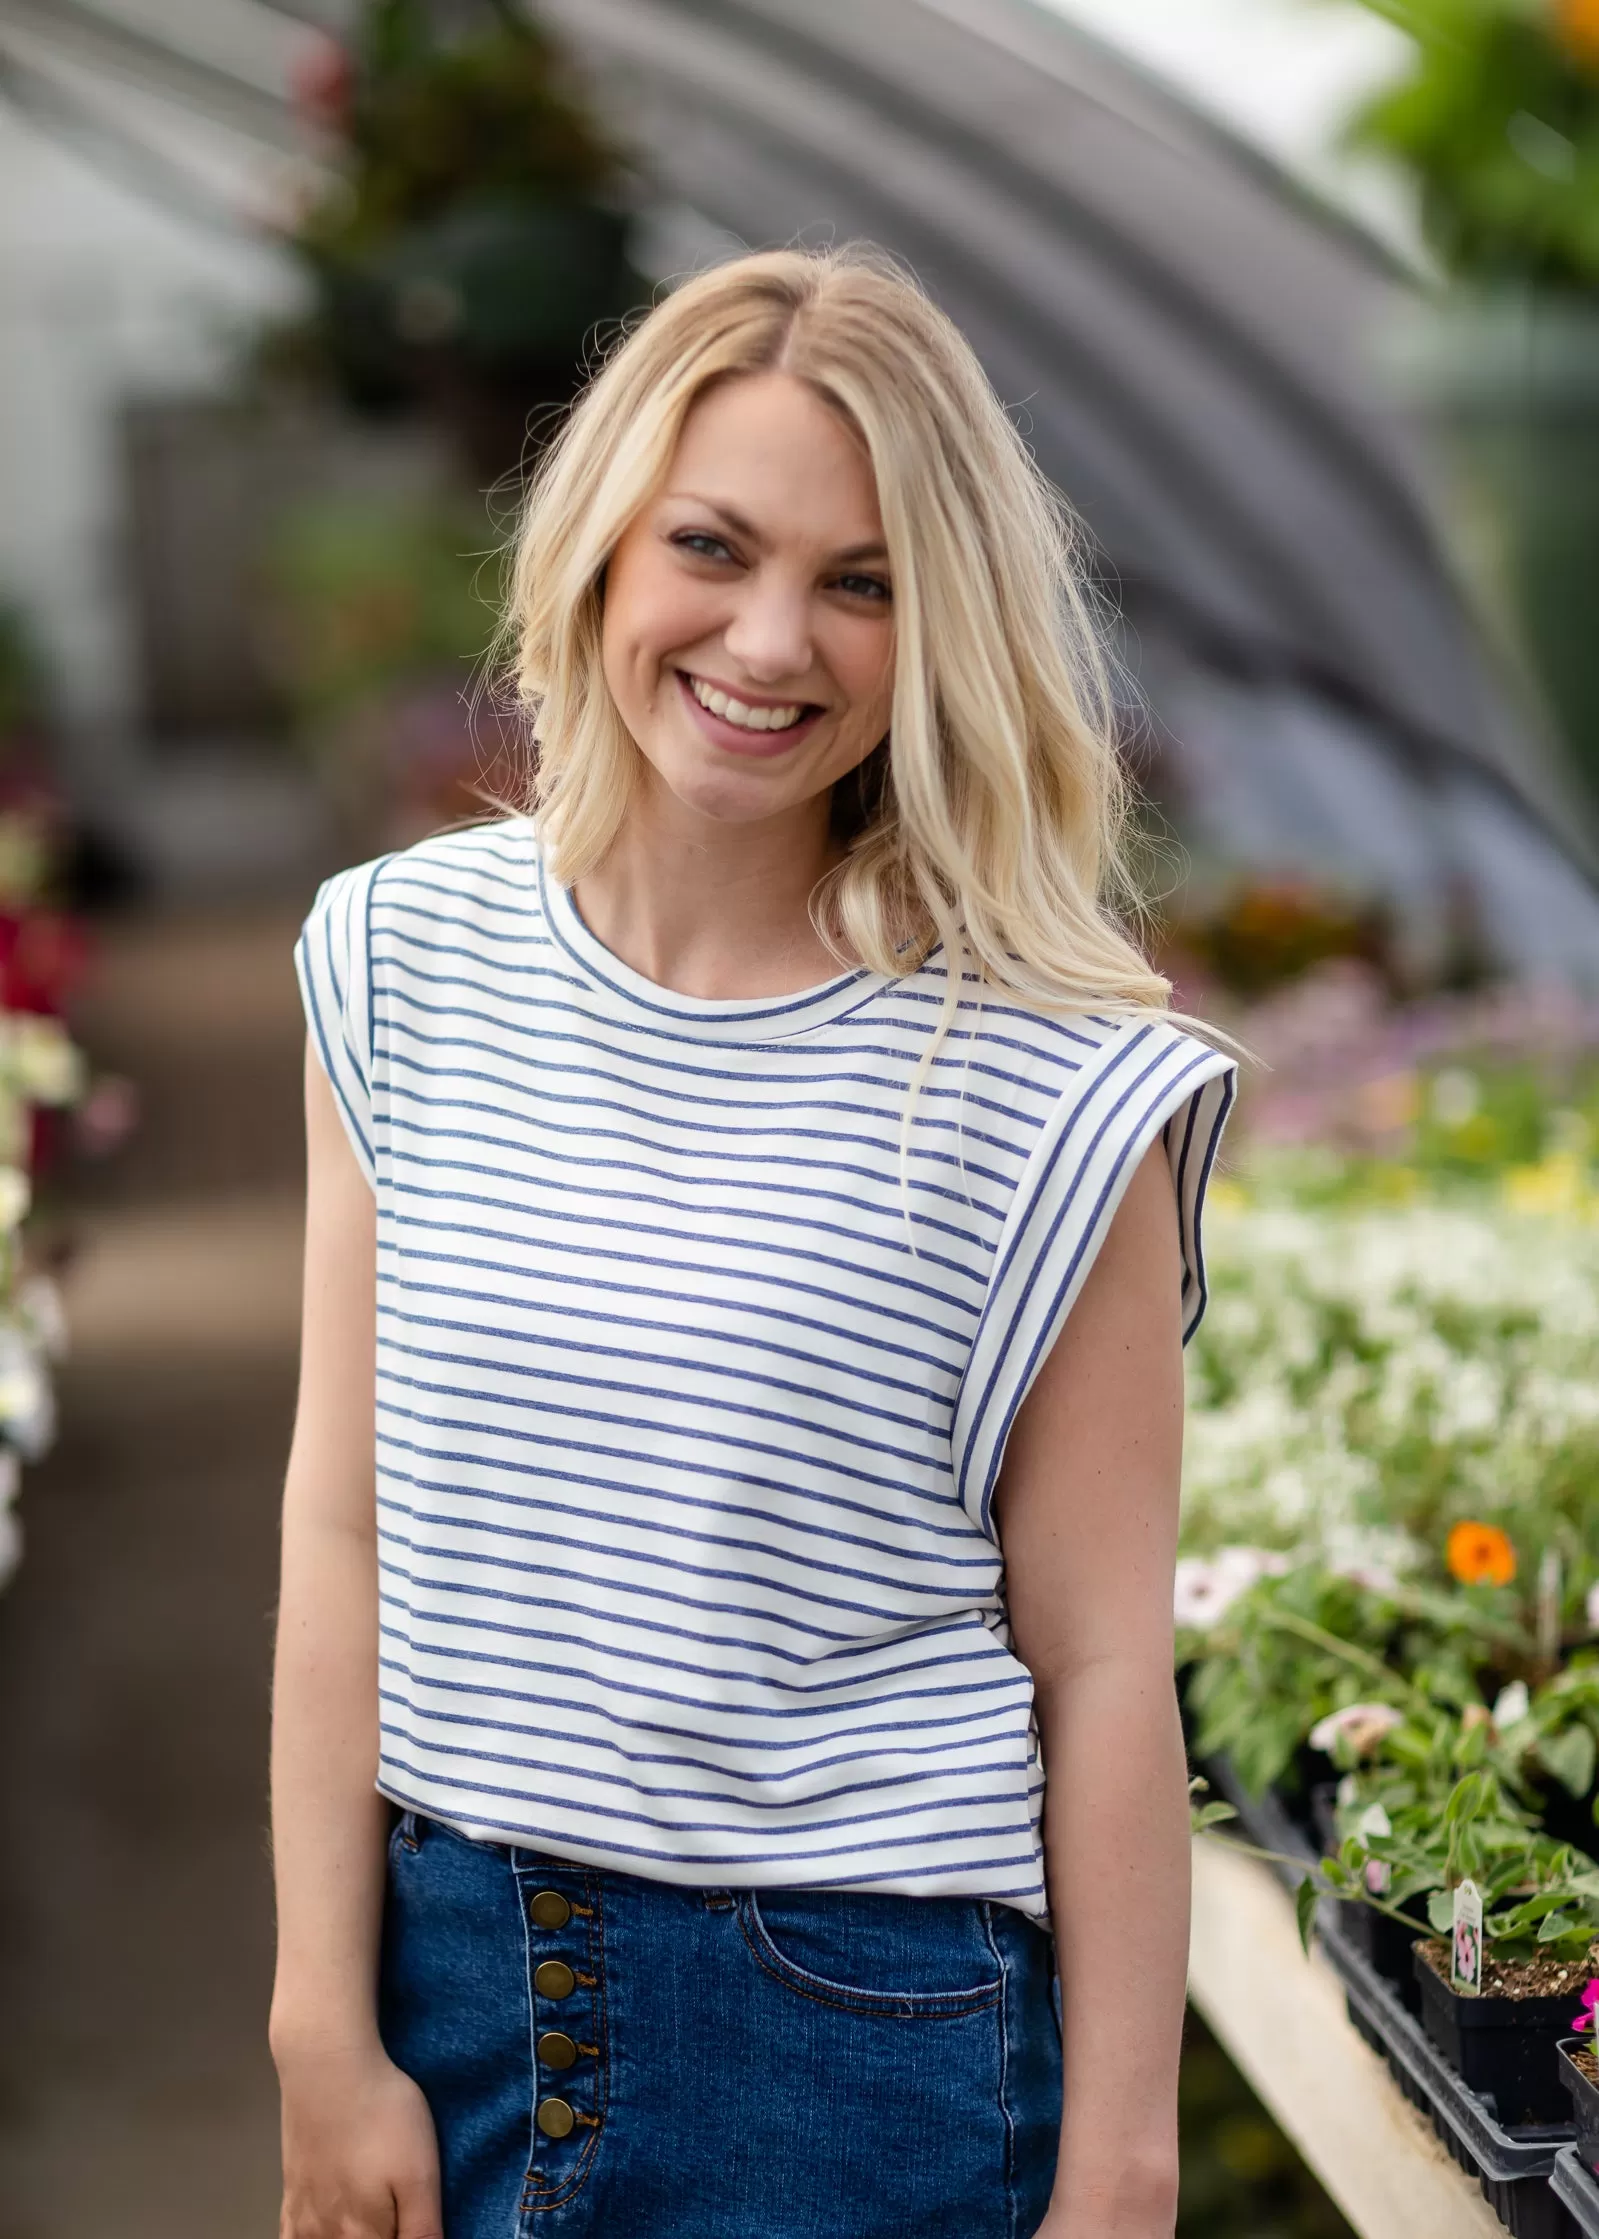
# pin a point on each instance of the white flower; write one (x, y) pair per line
(45, 1064)
(1456, 1095)
(27, 1404)
(1373, 1556)
(16, 1195)
(1374, 1821)
(1362, 1725)
(1206, 1586)
(1591, 1606)
(1512, 1705)
(40, 1304)
(1343, 1343)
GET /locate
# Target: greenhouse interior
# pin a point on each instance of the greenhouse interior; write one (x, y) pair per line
(1297, 303)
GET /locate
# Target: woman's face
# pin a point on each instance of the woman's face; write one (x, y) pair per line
(749, 621)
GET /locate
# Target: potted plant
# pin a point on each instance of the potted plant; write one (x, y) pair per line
(1539, 1905)
(1539, 1924)
(1497, 121)
(474, 235)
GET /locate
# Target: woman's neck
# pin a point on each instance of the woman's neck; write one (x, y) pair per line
(712, 910)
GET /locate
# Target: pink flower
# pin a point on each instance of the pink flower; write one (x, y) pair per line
(1362, 1725)
(1590, 2005)
(1206, 1586)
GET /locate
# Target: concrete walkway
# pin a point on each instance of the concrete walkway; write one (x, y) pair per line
(136, 2097)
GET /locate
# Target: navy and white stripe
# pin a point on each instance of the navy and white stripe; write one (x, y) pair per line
(686, 1437)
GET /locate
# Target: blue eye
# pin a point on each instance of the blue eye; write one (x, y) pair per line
(702, 544)
(865, 587)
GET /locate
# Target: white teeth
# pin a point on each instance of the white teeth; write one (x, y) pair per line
(747, 718)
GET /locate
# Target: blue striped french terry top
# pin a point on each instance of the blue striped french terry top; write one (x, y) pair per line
(685, 1459)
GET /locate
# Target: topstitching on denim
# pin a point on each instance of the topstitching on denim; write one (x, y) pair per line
(904, 2005)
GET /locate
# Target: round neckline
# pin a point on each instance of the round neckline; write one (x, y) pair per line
(645, 1002)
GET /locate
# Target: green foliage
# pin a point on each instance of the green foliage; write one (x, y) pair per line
(1305, 1901)
(365, 597)
(1498, 122)
(1289, 1653)
(1465, 1786)
(1539, 1896)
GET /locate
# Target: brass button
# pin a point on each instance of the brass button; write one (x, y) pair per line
(556, 2049)
(555, 2118)
(549, 1909)
(553, 1978)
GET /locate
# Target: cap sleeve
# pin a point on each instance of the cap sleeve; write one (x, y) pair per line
(332, 959)
(1148, 1079)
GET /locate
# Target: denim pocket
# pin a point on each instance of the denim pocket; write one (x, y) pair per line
(908, 1958)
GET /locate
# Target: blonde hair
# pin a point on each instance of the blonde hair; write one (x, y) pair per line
(996, 818)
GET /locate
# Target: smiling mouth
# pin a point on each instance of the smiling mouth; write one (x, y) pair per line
(782, 716)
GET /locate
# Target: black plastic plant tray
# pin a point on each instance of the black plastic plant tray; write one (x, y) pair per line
(1514, 2167)
(1577, 2191)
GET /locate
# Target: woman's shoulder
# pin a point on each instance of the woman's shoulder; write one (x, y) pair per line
(1060, 1043)
(470, 871)
(469, 864)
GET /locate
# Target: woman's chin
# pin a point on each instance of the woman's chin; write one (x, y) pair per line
(730, 795)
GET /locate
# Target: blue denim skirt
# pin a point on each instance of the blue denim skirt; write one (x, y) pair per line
(625, 2059)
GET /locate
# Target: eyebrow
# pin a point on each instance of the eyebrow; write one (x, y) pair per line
(854, 556)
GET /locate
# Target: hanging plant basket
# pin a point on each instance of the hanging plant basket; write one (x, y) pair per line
(475, 237)
(484, 316)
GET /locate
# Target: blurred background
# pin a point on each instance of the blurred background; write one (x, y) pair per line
(1298, 300)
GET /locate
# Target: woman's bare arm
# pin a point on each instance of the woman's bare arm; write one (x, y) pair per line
(359, 2153)
(1087, 1509)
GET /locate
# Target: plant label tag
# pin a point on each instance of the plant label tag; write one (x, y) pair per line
(1465, 1943)
(1379, 1874)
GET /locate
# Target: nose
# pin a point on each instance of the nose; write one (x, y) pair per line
(769, 634)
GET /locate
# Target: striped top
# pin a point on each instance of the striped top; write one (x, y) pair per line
(685, 1457)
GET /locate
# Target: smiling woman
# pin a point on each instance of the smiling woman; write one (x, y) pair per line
(759, 1184)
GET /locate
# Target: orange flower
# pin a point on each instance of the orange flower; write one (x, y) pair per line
(1578, 25)
(1481, 1555)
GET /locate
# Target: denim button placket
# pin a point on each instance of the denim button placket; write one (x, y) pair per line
(569, 2092)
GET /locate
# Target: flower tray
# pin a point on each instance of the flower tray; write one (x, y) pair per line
(1577, 2190)
(1513, 2164)
(1505, 2049)
(1584, 2103)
